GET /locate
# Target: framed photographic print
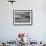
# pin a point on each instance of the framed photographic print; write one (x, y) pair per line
(22, 17)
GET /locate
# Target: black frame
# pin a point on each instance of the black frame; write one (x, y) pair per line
(20, 23)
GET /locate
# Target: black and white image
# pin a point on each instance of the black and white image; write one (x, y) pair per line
(22, 16)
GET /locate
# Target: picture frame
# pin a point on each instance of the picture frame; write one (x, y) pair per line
(22, 17)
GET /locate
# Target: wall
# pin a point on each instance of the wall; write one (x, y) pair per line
(38, 30)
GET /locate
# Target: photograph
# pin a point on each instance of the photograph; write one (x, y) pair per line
(22, 22)
(22, 16)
